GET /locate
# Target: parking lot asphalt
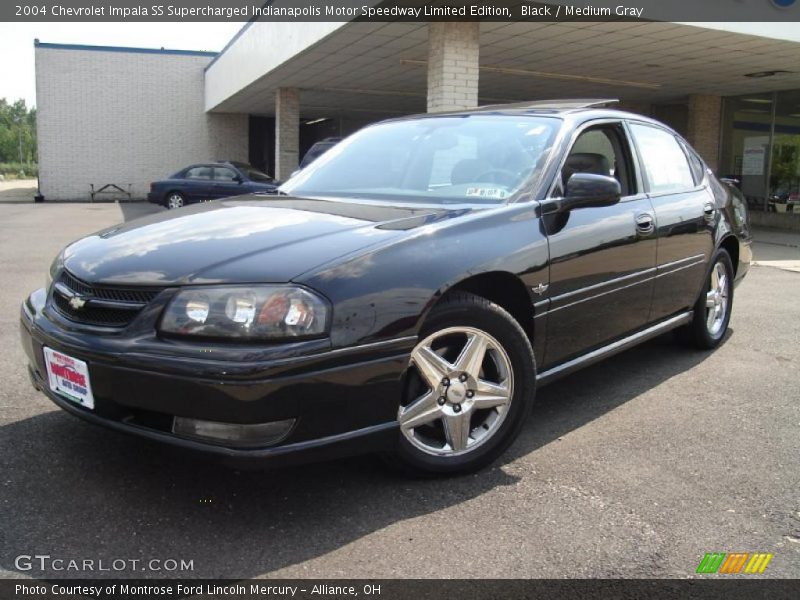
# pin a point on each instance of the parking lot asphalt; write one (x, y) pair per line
(635, 467)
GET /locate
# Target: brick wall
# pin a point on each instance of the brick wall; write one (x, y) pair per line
(453, 53)
(125, 117)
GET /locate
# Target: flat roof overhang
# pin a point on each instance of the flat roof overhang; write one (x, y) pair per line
(377, 70)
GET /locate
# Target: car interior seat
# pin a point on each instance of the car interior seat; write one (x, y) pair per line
(585, 162)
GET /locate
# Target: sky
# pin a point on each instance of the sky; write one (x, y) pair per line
(17, 77)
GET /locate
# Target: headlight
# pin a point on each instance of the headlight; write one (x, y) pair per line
(55, 267)
(257, 312)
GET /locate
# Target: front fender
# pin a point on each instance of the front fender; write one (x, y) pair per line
(385, 292)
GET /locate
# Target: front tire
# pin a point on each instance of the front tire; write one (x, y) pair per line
(712, 312)
(468, 389)
(175, 200)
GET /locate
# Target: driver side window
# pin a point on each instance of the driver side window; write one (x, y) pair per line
(601, 150)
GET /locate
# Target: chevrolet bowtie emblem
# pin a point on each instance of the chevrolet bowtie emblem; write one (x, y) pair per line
(541, 288)
(77, 303)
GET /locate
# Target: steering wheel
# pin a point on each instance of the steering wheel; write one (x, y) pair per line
(501, 176)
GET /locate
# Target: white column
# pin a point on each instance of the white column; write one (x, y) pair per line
(453, 53)
(287, 132)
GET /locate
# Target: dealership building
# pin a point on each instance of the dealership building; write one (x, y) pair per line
(128, 116)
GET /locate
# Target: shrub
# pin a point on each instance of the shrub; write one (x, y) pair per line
(16, 170)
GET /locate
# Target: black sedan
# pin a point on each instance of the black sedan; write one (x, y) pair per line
(210, 181)
(408, 295)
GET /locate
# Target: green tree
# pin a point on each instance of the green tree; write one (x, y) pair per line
(17, 132)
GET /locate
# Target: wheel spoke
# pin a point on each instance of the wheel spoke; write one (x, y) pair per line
(490, 395)
(723, 284)
(472, 355)
(468, 395)
(715, 278)
(711, 301)
(421, 411)
(457, 429)
(432, 367)
(712, 316)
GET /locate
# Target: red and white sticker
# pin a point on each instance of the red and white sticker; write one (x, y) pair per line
(69, 377)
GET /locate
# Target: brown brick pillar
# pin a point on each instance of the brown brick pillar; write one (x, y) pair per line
(287, 132)
(704, 126)
(453, 52)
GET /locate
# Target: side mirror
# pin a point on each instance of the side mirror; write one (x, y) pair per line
(589, 189)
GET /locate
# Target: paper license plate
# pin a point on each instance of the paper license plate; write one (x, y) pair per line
(69, 377)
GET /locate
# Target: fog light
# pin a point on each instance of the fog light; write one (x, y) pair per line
(234, 434)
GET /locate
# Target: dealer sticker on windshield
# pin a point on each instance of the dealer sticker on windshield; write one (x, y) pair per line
(486, 192)
(69, 377)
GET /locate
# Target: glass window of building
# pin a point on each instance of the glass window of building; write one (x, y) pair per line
(747, 123)
(761, 149)
(784, 172)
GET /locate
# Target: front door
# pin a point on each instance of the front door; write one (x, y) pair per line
(226, 183)
(199, 183)
(603, 258)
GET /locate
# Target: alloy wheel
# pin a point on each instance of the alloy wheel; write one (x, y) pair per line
(175, 201)
(463, 390)
(717, 300)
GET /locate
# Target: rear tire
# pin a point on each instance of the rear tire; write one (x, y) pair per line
(712, 311)
(468, 389)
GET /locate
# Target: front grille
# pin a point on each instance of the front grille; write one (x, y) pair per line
(108, 293)
(105, 306)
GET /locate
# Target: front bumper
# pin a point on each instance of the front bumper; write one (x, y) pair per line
(344, 400)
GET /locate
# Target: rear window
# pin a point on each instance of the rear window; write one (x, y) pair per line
(315, 152)
(695, 164)
(665, 165)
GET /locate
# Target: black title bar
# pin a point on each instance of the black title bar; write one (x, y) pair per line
(418, 589)
(398, 10)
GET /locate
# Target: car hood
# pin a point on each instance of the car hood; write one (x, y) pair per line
(241, 240)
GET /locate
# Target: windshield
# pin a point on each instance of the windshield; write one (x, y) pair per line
(252, 173)
(464, 158)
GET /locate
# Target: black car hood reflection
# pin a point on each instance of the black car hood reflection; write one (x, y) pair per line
(241, 240)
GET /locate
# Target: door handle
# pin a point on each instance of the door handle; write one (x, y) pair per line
(645, 224)
(709, 212)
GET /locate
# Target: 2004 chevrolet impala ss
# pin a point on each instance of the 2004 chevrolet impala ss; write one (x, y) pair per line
(407, 294)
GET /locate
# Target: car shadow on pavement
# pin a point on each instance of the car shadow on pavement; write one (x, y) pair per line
(70, 490)
(570, 403)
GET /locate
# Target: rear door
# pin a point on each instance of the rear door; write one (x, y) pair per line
(685, 213)
(602, 258)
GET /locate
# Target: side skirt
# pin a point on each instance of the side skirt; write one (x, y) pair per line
(594, 356)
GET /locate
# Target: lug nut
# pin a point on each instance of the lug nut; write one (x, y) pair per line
(462, 378)
(470, 393)
(456, 408)
(441, 400)
(445, 381)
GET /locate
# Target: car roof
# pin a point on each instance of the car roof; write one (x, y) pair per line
(576, 109)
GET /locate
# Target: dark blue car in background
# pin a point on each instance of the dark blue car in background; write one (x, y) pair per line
(208, 181)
